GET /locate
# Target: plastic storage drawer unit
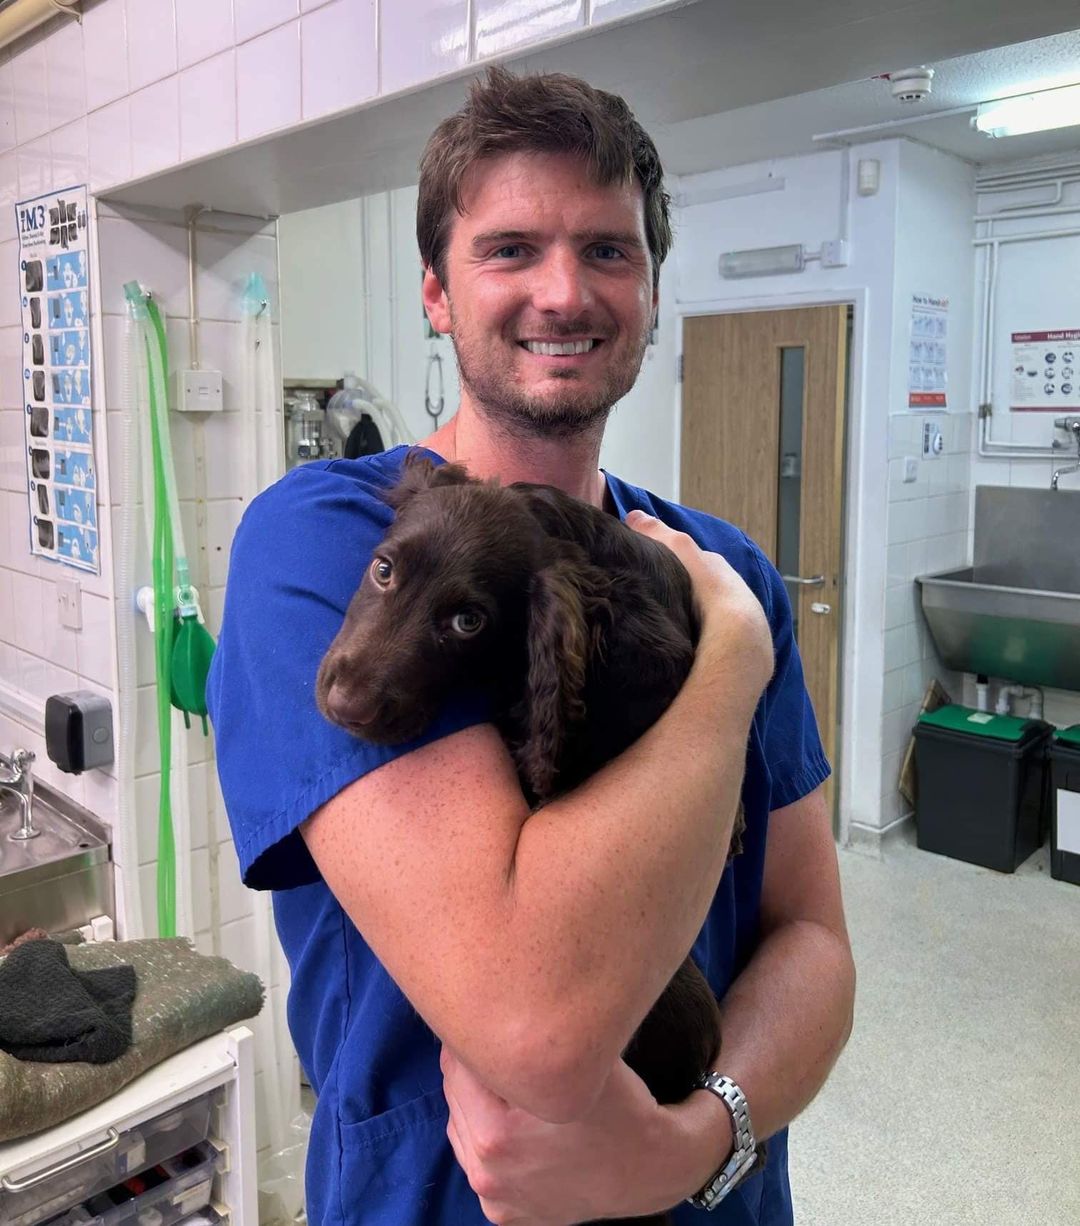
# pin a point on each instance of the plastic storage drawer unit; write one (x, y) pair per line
(980, 780)
(1065, 782)
(135, 1150)
(164, 1195)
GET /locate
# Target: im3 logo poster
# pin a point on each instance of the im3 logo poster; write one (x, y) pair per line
(54, 285)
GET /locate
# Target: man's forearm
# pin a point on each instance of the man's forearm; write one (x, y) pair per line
(785, 1021)
(619, 875)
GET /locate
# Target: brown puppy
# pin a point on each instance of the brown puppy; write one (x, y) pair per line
(579, 630)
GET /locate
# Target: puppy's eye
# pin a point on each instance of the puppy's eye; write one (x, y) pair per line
(382, 571)
(467, 622)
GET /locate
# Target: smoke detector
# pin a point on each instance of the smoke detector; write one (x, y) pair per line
(911, 84)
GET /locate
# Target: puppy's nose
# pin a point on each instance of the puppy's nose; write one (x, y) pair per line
(349, 708)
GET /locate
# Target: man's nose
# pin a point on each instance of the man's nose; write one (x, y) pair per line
(562, 285)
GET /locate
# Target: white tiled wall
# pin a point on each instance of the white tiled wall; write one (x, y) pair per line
(266, 65)
(339, 62)
(152, 246)
(928, 519)
(504, 25)
(412, 50)
(927, 533)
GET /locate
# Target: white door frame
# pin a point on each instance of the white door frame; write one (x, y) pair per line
(864, 534)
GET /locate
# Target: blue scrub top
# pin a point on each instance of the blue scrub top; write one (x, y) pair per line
(378, 1154)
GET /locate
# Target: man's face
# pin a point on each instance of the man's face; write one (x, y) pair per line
(545, 258)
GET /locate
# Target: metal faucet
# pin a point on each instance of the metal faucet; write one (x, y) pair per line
(1073, 424)
(20, 783)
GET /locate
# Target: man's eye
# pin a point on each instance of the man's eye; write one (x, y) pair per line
(382, 571)
(511, 251)
(606, 252)
(467, 622)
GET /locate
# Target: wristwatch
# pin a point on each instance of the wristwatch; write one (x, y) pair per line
(745, 1154)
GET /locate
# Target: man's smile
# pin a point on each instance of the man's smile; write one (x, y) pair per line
(563, 350)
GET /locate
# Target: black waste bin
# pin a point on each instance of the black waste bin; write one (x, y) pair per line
(1065, 783)
(980, 780)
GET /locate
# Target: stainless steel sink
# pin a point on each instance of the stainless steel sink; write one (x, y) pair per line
(62, 878)
(1015, 613)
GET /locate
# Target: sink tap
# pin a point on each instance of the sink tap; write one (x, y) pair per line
(1073, 424)
(20, 782)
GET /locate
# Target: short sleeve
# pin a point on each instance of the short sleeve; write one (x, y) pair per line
(792, 746)
(297, 558)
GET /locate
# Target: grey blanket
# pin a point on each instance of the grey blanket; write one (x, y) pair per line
(182, 997)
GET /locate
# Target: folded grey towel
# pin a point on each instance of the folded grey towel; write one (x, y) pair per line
(50, 1012)
(182, 997)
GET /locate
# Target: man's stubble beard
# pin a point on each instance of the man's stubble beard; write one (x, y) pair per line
(499, 399)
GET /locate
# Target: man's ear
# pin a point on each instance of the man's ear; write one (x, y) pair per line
(436, 303)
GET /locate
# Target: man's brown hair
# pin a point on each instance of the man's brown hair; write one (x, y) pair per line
(542, 113)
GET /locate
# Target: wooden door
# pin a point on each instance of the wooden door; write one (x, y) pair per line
(763, 447)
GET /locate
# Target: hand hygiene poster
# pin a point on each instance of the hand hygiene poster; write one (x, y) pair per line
(1044, 371)
(54, 285)
(927, 353)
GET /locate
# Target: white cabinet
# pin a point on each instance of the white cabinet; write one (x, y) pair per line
(207, 1089)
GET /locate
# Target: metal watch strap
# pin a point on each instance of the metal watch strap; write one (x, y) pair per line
(744, 1154)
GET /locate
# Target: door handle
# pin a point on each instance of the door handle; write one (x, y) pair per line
(818, 607)
(813, 581)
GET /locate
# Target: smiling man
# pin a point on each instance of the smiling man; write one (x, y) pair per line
(466, 975)
(551, 306)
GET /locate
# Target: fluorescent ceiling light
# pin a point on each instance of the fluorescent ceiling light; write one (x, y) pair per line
(1050, 108)
(762, 261)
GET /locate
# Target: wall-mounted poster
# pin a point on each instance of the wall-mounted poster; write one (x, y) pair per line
(927, 360)
(54, 283)
(1045, 370)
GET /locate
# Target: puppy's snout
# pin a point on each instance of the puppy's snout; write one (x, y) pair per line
(350, 708)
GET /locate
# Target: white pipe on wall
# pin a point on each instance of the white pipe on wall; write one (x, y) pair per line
(1010, 180)
(987, 447)
(26, 15)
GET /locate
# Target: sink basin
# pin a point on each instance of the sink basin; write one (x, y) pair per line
(60, 880)
(1015, 613)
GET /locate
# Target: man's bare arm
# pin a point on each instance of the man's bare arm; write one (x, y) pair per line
(785, 1020)
(788, 1015)
(534, 948)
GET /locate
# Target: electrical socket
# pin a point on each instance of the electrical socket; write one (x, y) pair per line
(836, 253)
(911, 469)
(69, 603)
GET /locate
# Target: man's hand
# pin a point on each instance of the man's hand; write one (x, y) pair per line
(626, 1158)
(732, 619)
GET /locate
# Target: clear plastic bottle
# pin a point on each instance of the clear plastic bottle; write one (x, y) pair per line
(349, 414)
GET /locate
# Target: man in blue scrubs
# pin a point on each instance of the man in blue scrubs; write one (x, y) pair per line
(465, 976)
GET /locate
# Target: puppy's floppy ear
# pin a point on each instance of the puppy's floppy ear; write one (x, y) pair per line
(419, 473)
(560, 645)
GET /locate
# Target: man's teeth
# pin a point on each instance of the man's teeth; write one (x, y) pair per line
(550, 349)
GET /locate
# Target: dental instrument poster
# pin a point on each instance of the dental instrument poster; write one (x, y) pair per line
(1044, 371)
(927, 365)
(54, 285)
